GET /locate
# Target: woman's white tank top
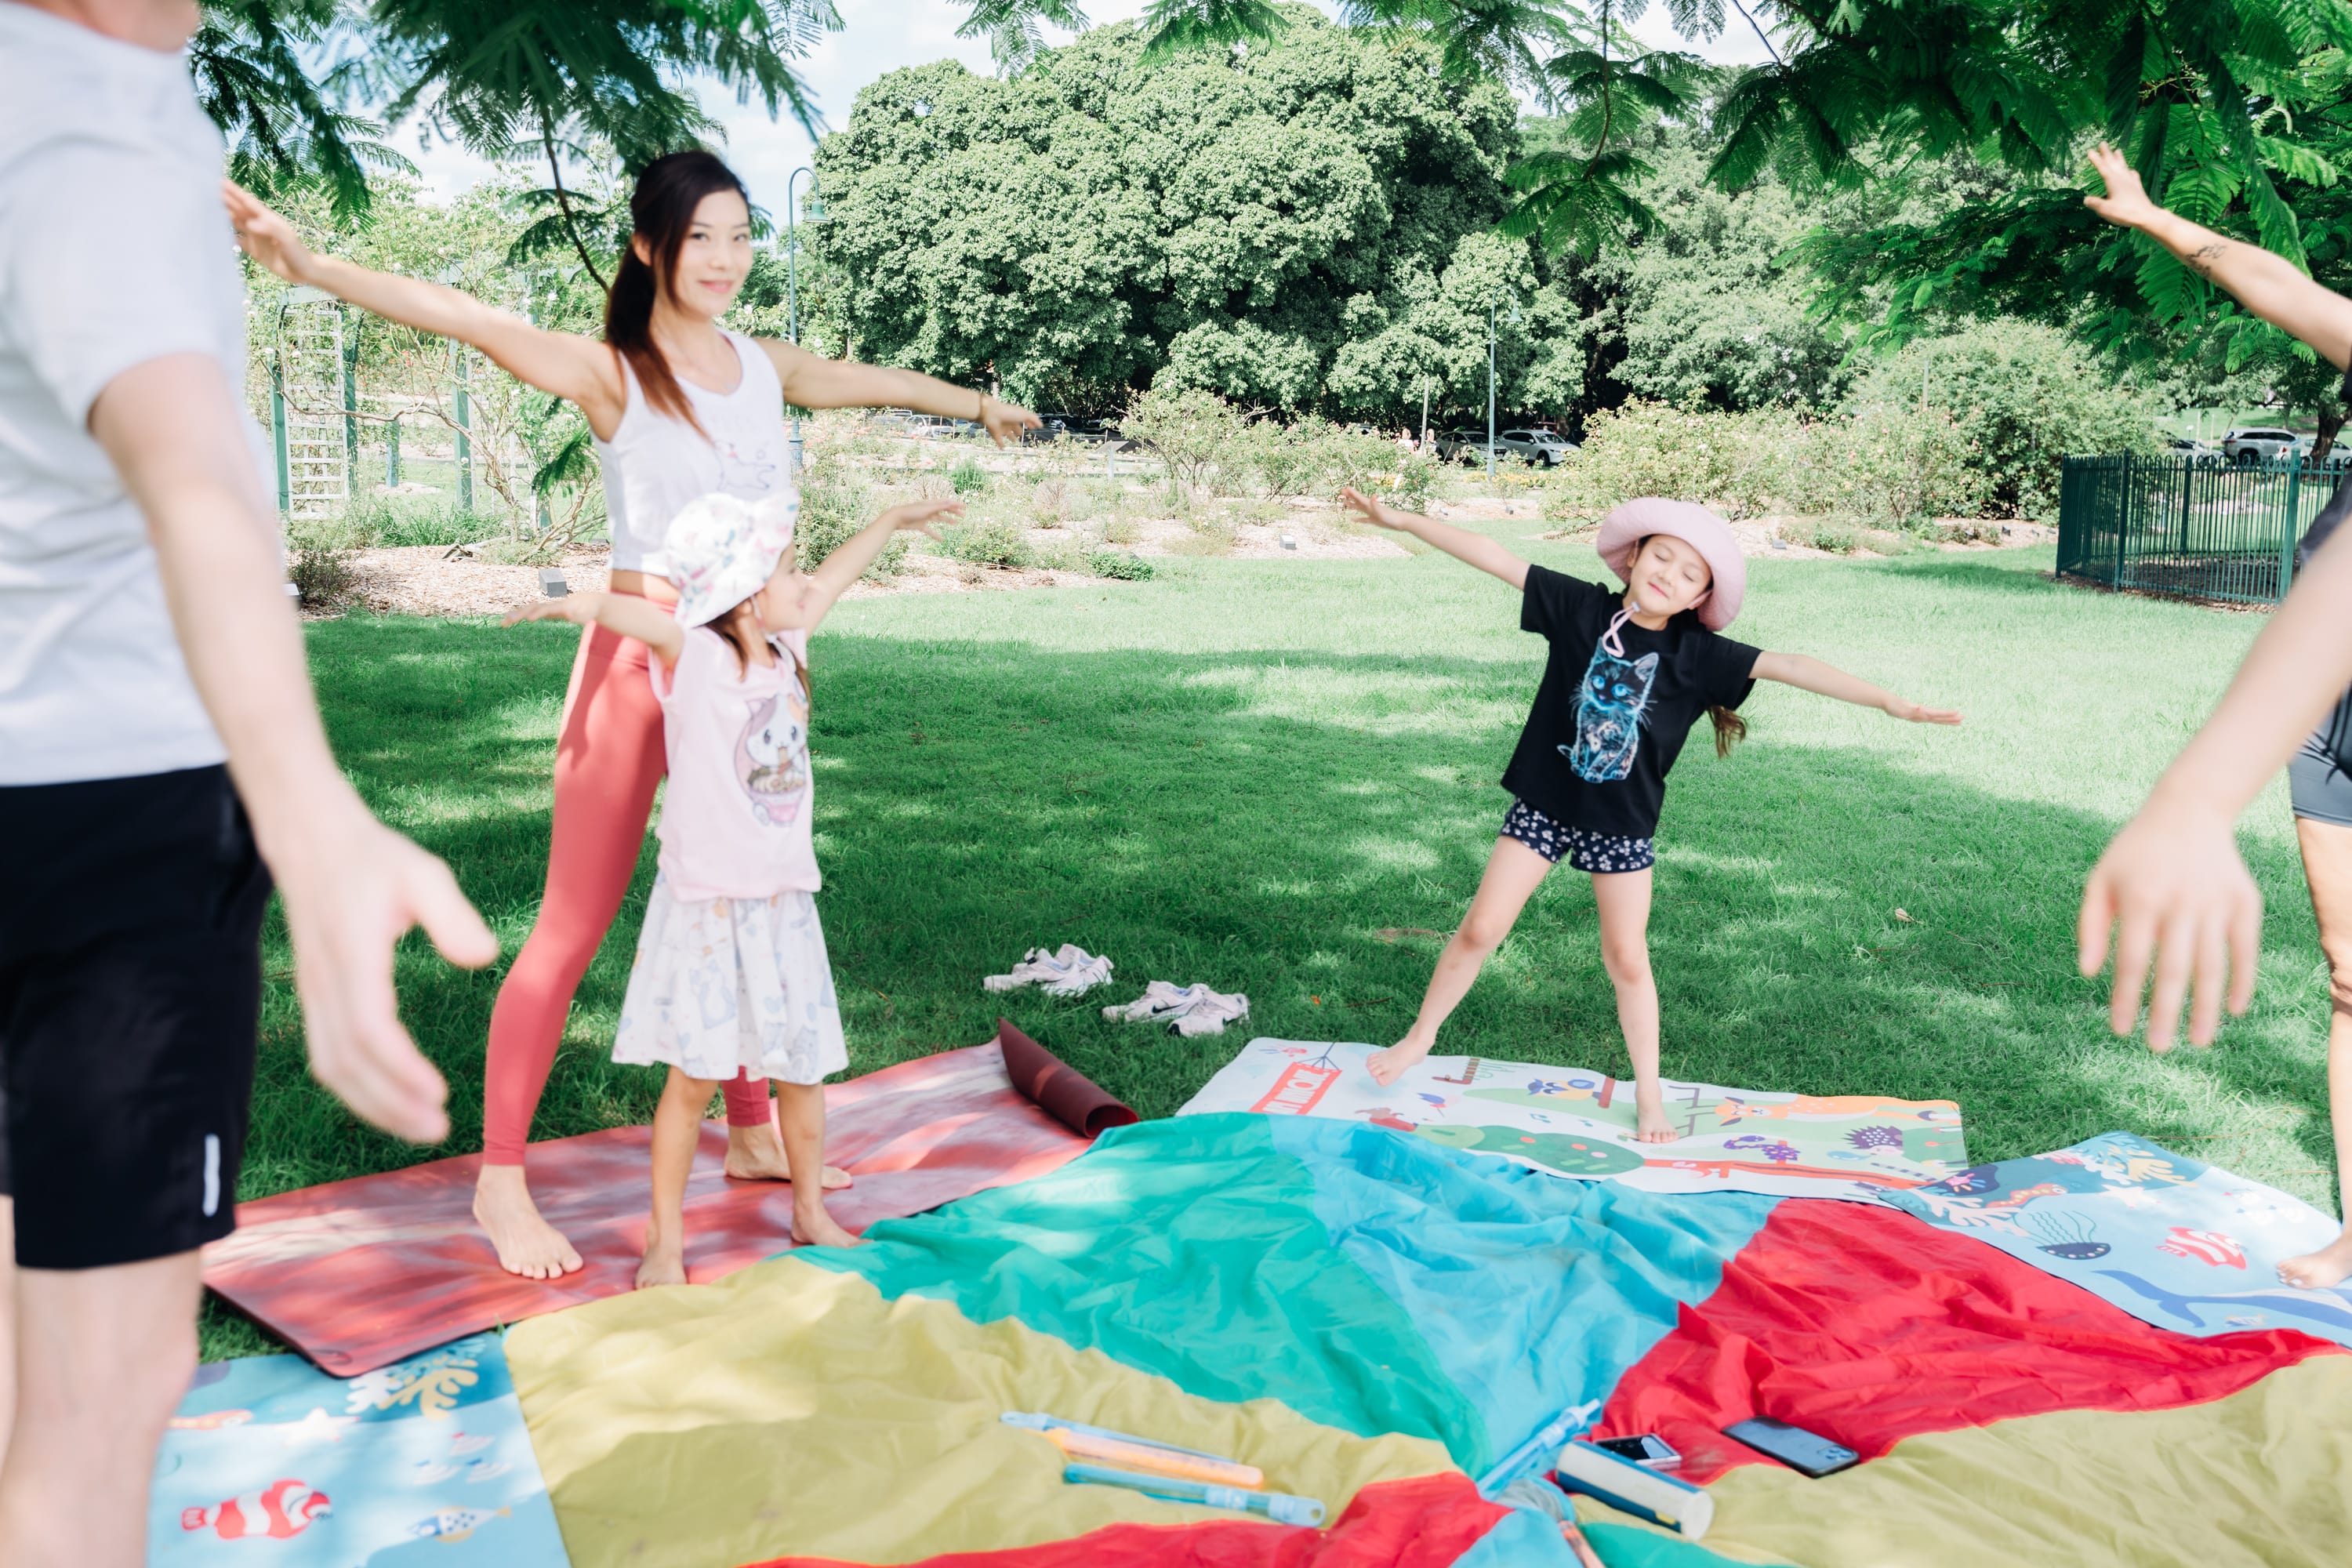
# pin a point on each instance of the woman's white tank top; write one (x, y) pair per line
(654, 464)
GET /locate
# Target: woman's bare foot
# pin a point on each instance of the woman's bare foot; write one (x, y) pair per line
(1392, 1064)
(812, 1226)
(665, 1260)
(757, 1155)
(1651, 1125)
(526, 1243)
(2331, 1264)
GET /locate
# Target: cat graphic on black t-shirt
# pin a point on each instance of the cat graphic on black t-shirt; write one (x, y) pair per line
(1609, 708)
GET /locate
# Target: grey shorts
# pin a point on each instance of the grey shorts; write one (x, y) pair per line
(2319, 789)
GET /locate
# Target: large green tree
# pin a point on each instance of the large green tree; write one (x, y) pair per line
(1285, 224)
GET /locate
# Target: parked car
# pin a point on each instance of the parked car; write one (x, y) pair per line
(2259, 443)
(1077, 427)
(1546, 447)
(2198, 453)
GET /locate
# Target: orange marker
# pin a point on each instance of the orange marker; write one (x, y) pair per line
(1159, 1461)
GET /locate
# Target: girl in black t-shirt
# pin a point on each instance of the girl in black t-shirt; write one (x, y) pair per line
(1628, 675)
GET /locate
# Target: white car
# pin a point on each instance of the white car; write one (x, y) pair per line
(2259, 444)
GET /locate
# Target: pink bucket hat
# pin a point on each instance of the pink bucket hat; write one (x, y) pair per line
(1629, 522)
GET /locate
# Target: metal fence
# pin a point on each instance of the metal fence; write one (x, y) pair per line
(2193, 526)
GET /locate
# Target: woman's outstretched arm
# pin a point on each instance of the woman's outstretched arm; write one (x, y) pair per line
(580, 370)
(1809, 674)
(1475, 549)
(2172, 889)
(2269, 285)
(813, 381)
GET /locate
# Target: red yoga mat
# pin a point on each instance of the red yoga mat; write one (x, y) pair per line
(360, 1274)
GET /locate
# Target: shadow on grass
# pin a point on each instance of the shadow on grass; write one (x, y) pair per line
(1258, 824)
(1280, 823)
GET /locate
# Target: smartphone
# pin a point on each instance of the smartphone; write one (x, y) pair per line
(1648, 1448)
(1804, 1452)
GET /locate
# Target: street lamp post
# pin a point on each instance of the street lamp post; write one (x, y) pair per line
(791, 273)
(1493, 301)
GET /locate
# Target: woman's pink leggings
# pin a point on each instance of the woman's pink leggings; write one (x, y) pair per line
(607, 762)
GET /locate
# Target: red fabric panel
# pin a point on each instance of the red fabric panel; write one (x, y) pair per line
(1867, 1326)
(1428, 1521)
(358, 1274)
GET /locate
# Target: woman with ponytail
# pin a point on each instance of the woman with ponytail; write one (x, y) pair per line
(680, 408)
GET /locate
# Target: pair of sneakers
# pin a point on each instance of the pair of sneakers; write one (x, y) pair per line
(1070, 971)
(1186, 1010)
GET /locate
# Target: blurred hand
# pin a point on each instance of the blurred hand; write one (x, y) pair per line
(261, 234)
(578, 608)
(352, 887)
(2126, 202)
(1915, 714)
(1005, 421)
(1374, 512)
(919, 515)
(2172, 887)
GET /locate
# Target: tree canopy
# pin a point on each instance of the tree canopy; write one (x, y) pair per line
(1303, 222)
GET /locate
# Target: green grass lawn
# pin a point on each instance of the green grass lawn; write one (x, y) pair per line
(1243, 773)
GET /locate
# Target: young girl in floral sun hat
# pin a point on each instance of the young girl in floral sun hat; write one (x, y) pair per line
(732, 972)
(1628, 675)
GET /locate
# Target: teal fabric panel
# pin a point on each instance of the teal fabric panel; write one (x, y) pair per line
(1534, 1292)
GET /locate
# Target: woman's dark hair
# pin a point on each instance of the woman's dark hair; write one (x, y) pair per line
(661, 212)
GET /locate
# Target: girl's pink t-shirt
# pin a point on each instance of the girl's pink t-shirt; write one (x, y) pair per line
(735, 819)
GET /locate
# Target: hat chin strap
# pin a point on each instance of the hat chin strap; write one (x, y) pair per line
(1610, 643)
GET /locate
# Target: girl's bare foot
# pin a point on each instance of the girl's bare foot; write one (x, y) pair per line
(2331, 1264)
(1388, 1066)
(812, 1226)
(1651, 1125)
(757, 1155)
(665, 1260)
(526, 1243)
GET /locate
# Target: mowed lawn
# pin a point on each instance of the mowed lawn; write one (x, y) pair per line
(1258, 775)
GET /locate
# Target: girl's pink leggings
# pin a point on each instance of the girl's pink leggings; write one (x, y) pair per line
(607, 762)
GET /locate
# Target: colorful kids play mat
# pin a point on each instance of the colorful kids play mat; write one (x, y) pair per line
(1579, 1123)
(2080, 1360)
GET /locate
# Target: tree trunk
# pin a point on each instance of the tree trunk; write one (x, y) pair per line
(2331, 420)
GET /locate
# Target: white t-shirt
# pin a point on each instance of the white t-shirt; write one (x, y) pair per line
(114, 250)
(654, 464)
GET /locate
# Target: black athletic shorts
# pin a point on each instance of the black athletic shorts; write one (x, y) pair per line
(130, 992)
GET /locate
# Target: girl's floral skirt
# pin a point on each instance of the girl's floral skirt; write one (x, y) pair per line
(723, 984)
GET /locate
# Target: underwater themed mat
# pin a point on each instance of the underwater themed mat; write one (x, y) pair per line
(2184, 1246)
(422, 1462)
(1574, 1121)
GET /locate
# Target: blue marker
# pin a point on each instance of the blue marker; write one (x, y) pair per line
(1280, 1507)
(1551, 1437)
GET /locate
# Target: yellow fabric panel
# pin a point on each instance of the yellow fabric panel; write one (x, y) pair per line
(2264, 1476)
(789, 1409)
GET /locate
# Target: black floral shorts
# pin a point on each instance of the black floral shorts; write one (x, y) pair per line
(1584, 850)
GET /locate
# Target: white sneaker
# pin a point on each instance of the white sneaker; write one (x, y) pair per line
(1071, 971)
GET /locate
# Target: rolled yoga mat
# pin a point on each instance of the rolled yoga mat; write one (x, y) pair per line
(362, 1273)
(1062, 1092)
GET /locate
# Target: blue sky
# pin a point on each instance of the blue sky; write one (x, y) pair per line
(880, 36)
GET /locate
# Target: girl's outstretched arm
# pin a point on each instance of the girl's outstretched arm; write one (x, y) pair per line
(813, 381)
(579, 370)
(836, 572)
(624, 614)
(1459, 543)
(1811, 675)
(2269, 285)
